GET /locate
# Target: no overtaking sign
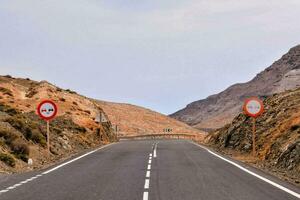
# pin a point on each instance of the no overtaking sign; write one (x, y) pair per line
(47, 110)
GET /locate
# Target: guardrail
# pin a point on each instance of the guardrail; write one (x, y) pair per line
(161, 136)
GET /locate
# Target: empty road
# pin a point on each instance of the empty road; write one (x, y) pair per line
(147, 170)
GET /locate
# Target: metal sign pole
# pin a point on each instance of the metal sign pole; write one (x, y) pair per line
(47, 110)
(48, 138)
(254, 137)
(253, 107)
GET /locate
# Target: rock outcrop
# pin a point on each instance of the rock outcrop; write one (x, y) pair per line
(277, 136)
(23, 133)
(218, 110)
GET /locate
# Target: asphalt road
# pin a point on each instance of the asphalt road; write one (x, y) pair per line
(141, 170)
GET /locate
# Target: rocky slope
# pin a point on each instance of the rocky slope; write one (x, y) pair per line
(135, 120)
(23, 134)
(218, 110)
(278, 136)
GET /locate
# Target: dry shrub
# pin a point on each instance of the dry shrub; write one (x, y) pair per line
(8, 109)
(8, 136)
(87, 111)
(38, 137)
(62, 99)
(295, 127)
(7, 159)
(28, 128)
(31, 93)
(20, 149)
(70, 91)
(6, 91)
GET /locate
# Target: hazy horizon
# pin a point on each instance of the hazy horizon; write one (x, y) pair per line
(159, 55)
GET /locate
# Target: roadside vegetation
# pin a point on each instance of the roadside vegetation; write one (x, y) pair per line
(23, 134)
(19, 131)
(8, 159)
(6, 91)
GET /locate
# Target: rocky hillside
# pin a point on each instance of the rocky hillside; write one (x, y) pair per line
(23, 134)
(135, 120)
(278, 135)
(218, 110)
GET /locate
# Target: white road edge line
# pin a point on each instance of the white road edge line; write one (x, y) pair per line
(252, 173)
(17, 185)
(75, 159)
(145, 196)
(23, 182)
(149, 167)
(51, 170)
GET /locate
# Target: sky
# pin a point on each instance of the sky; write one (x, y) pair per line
(160, 54)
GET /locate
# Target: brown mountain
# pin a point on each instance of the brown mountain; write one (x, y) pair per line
(220, 109)
(277, 136)
(23, 136)
(135, 120)
(23, 133)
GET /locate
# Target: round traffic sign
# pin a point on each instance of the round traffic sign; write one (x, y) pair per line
(253, 107)
(47, 110)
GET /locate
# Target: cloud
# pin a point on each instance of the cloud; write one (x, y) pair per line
(91, 22)
(145, 47)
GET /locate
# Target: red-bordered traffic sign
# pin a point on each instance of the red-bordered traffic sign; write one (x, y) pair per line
(253, 107)
(47, 110)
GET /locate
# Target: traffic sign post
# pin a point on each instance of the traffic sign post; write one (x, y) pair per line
(254, 137)
(48, 137)
(47, 110)
(253, 107)
(167, 130)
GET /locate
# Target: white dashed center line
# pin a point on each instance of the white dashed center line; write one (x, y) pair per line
(147, 183)
(145, 196)
(148, 173)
